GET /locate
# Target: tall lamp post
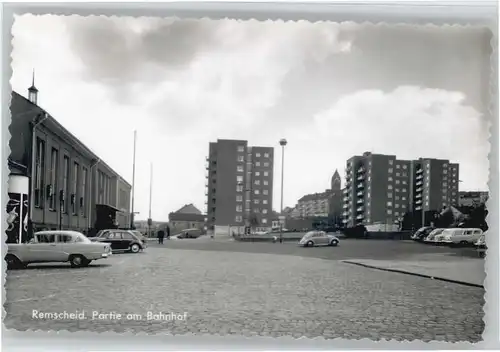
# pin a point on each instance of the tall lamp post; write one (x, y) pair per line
(283, 143)
(132, 213)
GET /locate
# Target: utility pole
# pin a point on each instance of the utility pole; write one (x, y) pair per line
(133, 183)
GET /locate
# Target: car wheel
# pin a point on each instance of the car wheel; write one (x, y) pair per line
(464, 243)
(13, 262)
(334, 243)
(482, 254)
(135, 248)
(77, 261)
(310, 244)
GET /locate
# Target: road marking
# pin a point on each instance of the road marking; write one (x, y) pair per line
(31, 299)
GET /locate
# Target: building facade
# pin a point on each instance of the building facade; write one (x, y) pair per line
(380, 189)
(239, 186)
(324, 204)
(70, 187)
(470, 199)
(187, 217)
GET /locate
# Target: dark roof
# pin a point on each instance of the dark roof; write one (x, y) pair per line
(70, 136)
(189, 209)
(186, 217)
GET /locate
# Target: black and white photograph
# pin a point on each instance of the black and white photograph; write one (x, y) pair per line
(227, 177)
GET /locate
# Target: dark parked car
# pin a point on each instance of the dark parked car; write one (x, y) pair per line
(121, 240)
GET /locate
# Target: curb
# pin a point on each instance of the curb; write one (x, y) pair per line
(414, 274)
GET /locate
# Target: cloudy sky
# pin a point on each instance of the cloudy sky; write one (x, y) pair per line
(333, 90)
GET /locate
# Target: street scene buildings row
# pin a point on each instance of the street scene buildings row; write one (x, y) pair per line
(68, 186)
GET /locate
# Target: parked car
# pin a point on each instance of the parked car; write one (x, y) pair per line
(318, 238)
(121, 240)
(189, 233)
(422, 233)
(432, 235)
(56, 246)
(481, 246)
(461, 236)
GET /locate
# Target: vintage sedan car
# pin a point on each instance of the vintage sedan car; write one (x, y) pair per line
(422, 233)
(121, 240)
(56, 246)
(461, 236)
(189, 233)
(432, 235)
(318, 238)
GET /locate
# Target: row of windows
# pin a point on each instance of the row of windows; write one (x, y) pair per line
(77, 190)
(239, 218)
(239, 209)
(241, 149)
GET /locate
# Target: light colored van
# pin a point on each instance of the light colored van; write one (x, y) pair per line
(461, 236)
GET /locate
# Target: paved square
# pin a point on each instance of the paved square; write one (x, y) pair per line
(224, 292)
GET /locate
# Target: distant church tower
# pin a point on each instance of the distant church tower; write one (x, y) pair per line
(32, 91)
(336, 181)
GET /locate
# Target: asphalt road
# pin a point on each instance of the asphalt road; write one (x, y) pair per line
(231, 292)
(348, 248)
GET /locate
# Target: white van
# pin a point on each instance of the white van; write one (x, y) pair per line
(461, 236)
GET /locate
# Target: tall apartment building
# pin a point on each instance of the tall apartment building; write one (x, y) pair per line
(381, 188)
(239, 186)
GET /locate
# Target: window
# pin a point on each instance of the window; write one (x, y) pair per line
(398, 166)
(239, 168)
(54, 168)
(391, 162)
(256, 191)
(403, 198)
(265, 192)
(266, 164)
(390, 170)
(257, 155)
(74, 202)
(241, 158)
(238, 218)
(264, 221)
(239, 198)
(444, 197)
(241, 149)
(389, 211)
(404, 182)
(389, 195)
(398, 174)
(403, 190)
(266, 173)
(389, 187)
(239, 208)
(256, 210)
(257, 163)
(264, 201)
(396, 198)
(257, 182)
(39, 172)
(266, 182)
(257, 173)
(64, 238)
(83, 193)
(239, 188)
(65, 187)
(46, 238)
(389, 204)
(264, 211)
(239, 179)
(396, 205)
(266, 155)
(397, 182)
(405, 167)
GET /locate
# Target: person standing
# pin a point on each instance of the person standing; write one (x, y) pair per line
(161, 235)
(168, 232)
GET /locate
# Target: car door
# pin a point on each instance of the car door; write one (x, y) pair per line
(46, 248)
(112, 240)
(322, 238)
(477, 235)
(66, 245)
(127, 239)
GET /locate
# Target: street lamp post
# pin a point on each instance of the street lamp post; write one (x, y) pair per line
(132, 213)
(283, 143)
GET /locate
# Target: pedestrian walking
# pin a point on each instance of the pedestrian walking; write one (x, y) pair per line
(168, 232)
(161, 235)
